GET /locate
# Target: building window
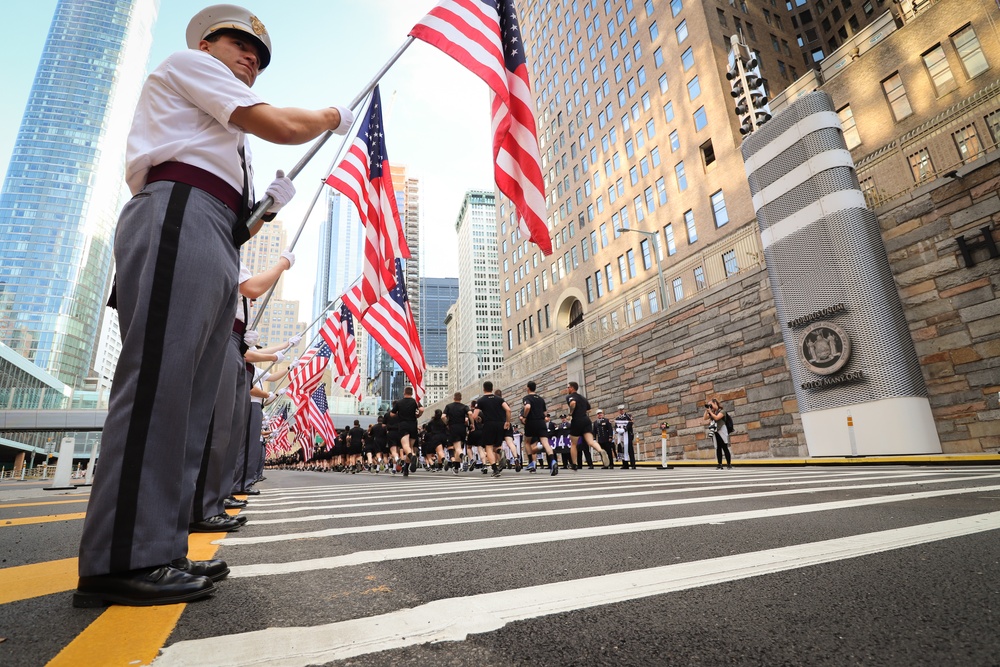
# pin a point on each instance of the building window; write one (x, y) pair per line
(722, 17)
(622, 271)
(699, 278)
(668, 235)
(678, 286)
(700, 119)
(993, 123)
(967, 142)
(687, 59)
(895, 94)
(647, 257)
(694, 88)
(658, 57)
(668, 111)
(654, 303)
(682, 182)
(630, 259)
(676, 6)
(969, 50)
(707, 154)
(610, 277)
(675, 141)
(661, 191)
(637, 309)
(937, 66)
(851, 136)
(921, 166)
(654, 32)
(599, 279)
(682, 31)
(870, 191)
(692, 231)
(719, 209)
(590, 290)
(547, 324)
(729, 263)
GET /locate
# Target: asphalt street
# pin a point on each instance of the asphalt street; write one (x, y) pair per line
(851, 565)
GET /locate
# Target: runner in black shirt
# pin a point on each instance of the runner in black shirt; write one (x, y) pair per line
(408, 410)
(536, 429)
(495, 414)
(580, 425)
(457, 416)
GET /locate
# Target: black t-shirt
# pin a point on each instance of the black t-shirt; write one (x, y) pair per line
(391, 423)
(456, 412)
(491, 409)
(582, 405)
(537, 412)
(357, 435)
(437, 427)
(406, 409)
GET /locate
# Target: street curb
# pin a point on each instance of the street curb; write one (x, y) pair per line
(929, 460)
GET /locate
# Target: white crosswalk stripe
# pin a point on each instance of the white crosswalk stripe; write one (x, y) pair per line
(527, 508)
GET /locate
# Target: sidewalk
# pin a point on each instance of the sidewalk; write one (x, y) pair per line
(915, 460)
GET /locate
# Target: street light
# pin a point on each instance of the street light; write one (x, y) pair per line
(656, 253)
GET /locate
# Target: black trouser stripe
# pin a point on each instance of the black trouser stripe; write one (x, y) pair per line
(199, 489)
(246, 445)
(149, 375)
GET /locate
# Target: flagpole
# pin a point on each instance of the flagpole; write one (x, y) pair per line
(302, 225)
(267, 201)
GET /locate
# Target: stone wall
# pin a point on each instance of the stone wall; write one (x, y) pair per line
(953, 310)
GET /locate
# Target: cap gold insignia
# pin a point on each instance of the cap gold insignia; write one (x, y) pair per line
(258, 27)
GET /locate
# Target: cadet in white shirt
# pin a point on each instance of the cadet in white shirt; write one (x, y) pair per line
(176, 251)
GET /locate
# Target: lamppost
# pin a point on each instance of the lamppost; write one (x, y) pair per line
(656, 253)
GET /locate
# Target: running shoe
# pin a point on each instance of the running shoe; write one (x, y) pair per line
(531, 467)
(554, 466)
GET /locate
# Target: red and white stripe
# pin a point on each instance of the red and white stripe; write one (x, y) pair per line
(469, 31)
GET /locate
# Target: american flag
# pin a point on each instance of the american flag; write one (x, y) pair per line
(280, 428)
(318, 416)
(390, 322)
(304, 378)
(364, 178)
(338, 332)
(484, 36)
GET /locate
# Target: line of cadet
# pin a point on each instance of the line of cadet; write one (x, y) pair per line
(482, 435)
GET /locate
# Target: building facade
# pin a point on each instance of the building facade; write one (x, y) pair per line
(341, 244)
(281, 319)
(477, 314)
(65, 182)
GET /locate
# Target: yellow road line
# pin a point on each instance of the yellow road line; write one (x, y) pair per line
(129, 636)
(41, 519)
(50, 502)
(31, 581)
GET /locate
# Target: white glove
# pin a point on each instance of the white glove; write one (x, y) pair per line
(251, 337)
(270, 396)
(281, 392)
(346, 120)
(280, 190)
(290, 256)
(280, 356)
(294, 340)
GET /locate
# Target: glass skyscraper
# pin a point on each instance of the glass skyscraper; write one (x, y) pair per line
(436, 296)
(340, 251)
(64, 183)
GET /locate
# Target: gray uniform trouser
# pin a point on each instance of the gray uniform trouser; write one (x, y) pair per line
(177, 277)
(225, 437)
(251, 457)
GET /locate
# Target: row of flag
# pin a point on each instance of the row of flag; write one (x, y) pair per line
(484, 37)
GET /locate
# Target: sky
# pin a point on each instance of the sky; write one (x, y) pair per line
(437, 114)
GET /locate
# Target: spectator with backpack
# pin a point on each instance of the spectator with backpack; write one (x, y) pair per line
(720, 426)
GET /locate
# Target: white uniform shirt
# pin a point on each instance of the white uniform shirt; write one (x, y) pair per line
(245, 275)
(183, 116)
(259, 378)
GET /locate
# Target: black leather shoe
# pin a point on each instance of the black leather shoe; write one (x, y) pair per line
(240, 519)
(222, 523)
(233, 504)
(216, 570)
(249, 492)
(142, 588)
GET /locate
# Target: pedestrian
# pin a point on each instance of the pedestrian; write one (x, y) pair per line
(176, 250)
(580, 426)
(718, 430)
(408, 410)
(456, 415)
(625, 437)
(604, 432)
(535, 429)
(495, 414)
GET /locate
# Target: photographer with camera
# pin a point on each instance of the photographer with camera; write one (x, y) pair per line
(719, 426)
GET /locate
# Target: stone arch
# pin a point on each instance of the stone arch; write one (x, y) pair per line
(570, 309)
